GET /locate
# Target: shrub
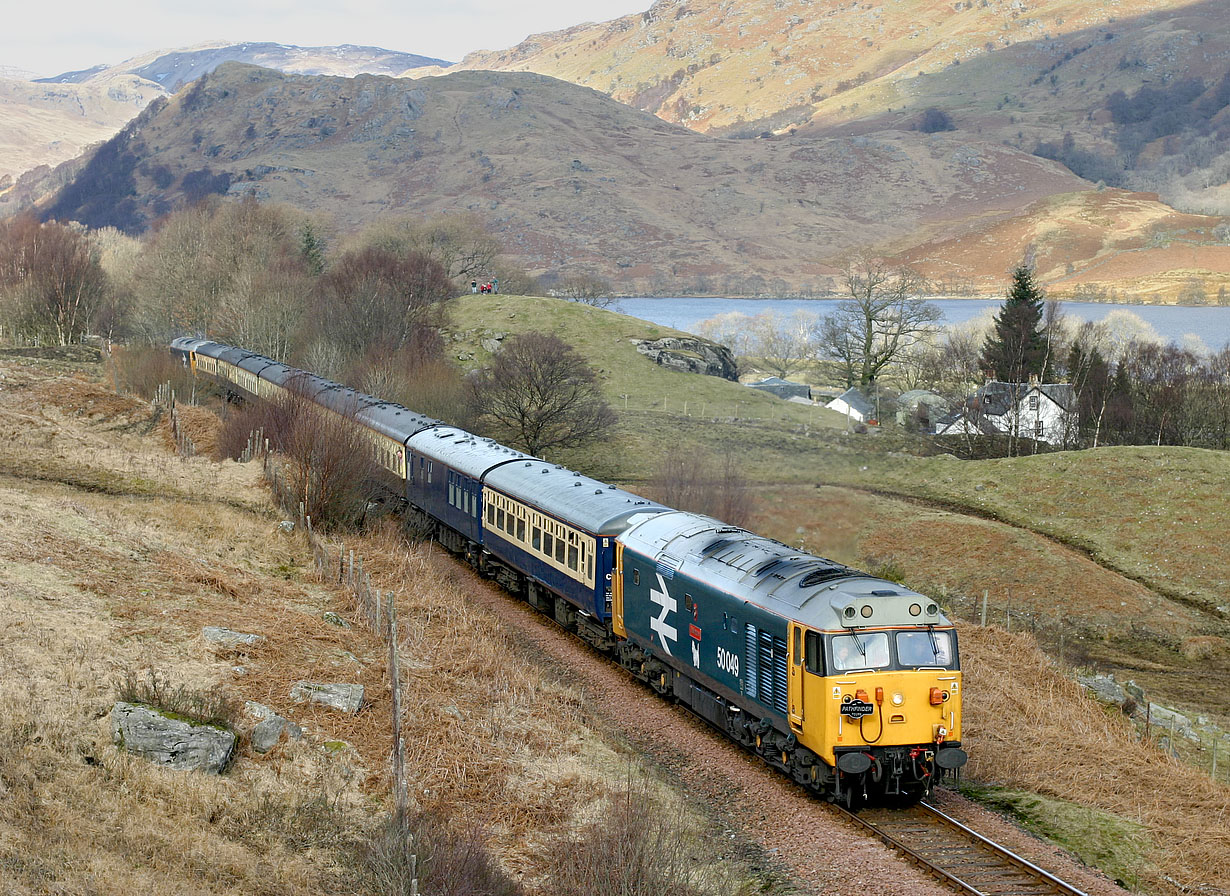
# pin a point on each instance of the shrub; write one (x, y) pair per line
(445, 862)
(141, 370)
(213, 706)
(934, 120)
(688, 479)
(637, 847)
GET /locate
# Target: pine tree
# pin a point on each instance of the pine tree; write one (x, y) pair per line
(1017, 349)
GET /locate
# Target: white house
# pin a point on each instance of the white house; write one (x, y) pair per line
(854, 404)
(1045, 412)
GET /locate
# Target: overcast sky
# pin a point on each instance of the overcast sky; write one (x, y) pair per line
(48, 37)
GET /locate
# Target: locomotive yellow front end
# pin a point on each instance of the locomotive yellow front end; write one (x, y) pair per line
(879, 700)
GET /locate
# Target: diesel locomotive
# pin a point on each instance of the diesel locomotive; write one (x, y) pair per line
(849, 683)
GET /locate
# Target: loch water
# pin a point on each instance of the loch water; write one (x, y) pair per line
(1201, 328)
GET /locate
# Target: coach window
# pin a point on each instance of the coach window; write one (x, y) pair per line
(548, 543)
(559, 549)
(520, 529)
(573, 557)
(536, 539)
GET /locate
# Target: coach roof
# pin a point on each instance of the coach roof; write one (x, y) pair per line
(583, 502)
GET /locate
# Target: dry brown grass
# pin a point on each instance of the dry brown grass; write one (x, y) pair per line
(1028, 726)
(115, 573)
(102, 582)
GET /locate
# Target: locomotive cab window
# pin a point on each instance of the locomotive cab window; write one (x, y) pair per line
(813, 653)
(865, 650)
(925, 648)
(636, 576)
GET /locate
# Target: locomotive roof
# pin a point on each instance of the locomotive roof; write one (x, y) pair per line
(462, 450)
(188, 343)
(819, 593)
(586, 503)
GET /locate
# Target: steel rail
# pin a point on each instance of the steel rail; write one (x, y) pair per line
(962, 857)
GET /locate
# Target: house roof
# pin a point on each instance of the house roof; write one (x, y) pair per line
(782, 388)
(855, 400)
(996, 398)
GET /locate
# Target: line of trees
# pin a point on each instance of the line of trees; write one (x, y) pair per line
(369, 312)
(1129, 388)
(252, 273)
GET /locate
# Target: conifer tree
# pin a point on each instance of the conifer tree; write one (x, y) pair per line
(1017, 349)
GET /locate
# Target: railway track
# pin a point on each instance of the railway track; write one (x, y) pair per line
(957, 855)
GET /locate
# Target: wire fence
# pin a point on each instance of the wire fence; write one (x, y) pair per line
(1193, 738)
(164, 400)
(374, 608)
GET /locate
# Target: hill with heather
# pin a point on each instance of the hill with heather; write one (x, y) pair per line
(738, 149)
(47, 121)
(572, 180)
(1141, 86)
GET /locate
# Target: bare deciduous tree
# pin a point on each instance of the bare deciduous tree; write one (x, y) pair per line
(781, 343)
(539, 393)
(881, 316)
(460, 243)
(588, 289)
(694, 480)
(329, 463)
(230, 271)
(374, 297)
(418, 375)
(50, 278)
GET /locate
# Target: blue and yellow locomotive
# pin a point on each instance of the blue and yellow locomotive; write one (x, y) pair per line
(849, 683)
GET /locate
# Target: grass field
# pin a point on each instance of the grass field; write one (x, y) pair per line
(119, 552)
(1112, 558)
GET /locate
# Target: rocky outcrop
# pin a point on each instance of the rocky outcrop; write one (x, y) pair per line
(269, 729)
(177, 742)
(346, 697)
(227, 639)
(691, 354)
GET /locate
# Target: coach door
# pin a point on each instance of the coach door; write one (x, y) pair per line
(795, 686)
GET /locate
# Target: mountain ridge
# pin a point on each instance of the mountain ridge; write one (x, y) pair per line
(571, 180)
(48, 121)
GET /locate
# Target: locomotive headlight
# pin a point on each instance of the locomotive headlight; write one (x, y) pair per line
(898, 698)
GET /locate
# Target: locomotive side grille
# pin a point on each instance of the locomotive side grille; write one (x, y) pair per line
(779, 674)
(766, 672)
(753, 664)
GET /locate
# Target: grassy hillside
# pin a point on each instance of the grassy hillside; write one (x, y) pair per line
(118, 552)
(1112, 556)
